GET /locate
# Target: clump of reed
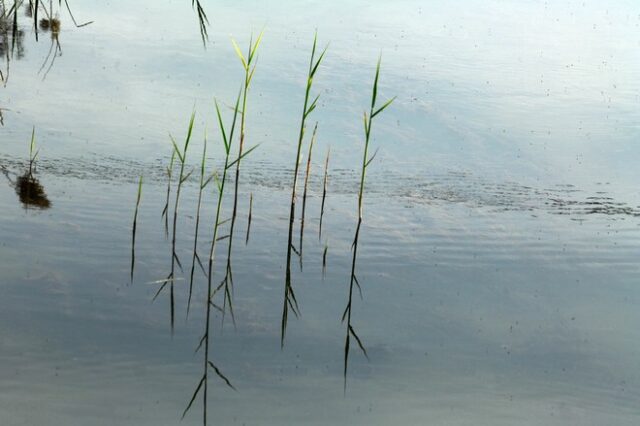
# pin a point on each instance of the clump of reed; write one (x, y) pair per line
(290, 301)
(353, 283)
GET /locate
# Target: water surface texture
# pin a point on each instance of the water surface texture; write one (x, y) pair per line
(499, 254)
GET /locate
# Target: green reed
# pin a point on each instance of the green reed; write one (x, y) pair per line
(134, 228)
(290, 301)
(249, 66)
(182, 158)
(205, 340)
(366, 161)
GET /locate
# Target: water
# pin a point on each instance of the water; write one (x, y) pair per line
(499, 250)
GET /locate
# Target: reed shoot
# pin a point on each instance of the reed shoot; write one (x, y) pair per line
(290, 301)
(205, 340)
(366, 160)
(182, 158)
(249, 66)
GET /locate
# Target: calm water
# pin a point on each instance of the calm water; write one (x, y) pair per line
(499, 255)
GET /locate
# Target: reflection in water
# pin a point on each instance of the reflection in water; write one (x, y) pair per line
(51, 25)
(31, 192)
(11, 40)
(29, 189)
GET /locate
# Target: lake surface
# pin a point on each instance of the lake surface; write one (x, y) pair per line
(499, 254)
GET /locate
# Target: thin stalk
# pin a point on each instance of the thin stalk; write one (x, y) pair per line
(290, 301)
(134, 228)
(325, 182)
(366, 160)
(304, 192)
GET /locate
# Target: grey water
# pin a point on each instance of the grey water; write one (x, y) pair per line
(499, 254)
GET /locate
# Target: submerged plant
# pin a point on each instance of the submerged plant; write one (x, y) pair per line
(182, 158)
(249, 66)
(290, 301)
(203, 384)
(366, 160)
